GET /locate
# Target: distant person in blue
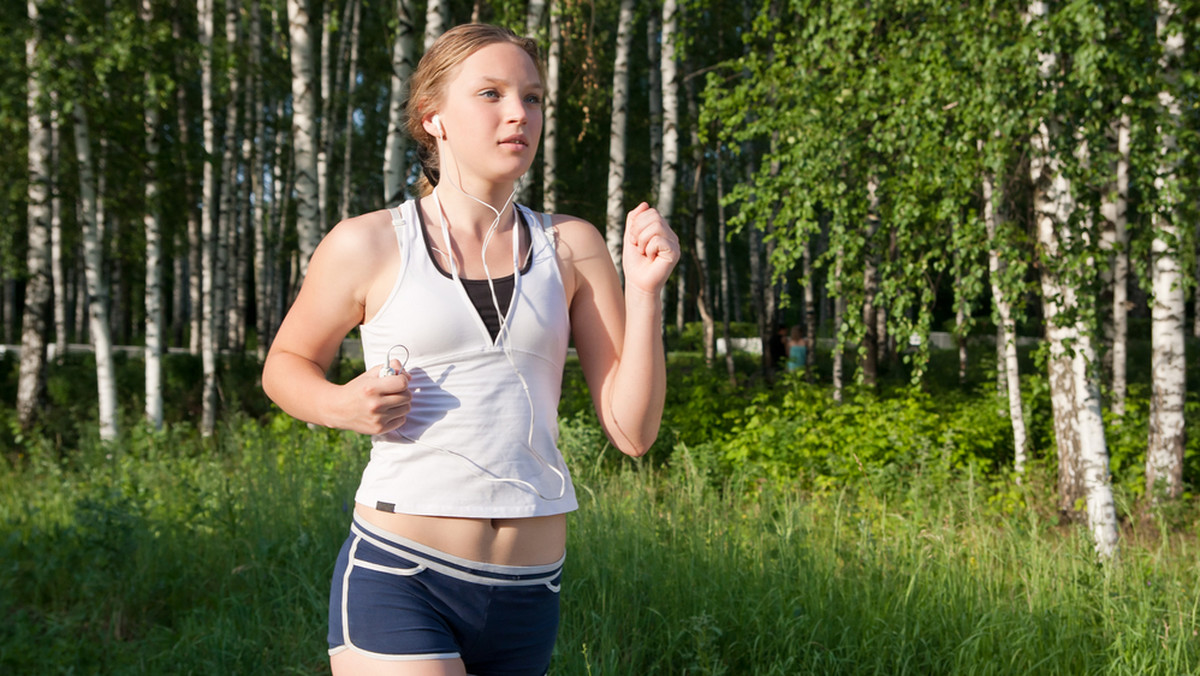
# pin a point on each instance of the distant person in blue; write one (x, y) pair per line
(797, 350)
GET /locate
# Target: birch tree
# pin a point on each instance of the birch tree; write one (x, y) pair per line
(1164, 458)
(550, 125)
(668, 175)
(1002, 311)
(700, 229)
(615, 212)
(99, 327)
(154, 274)
(1114, 210)
(395, 162)
(304, 131)
(437, 17)
(62, 327)
(351, 84)
(1079, 426)
(31, 379)
(208, 217)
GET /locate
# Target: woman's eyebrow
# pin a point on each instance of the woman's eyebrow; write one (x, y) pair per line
(493, 80)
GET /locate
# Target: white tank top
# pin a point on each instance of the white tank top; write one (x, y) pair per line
(477, 443)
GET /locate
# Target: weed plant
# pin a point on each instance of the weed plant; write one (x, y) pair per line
(770, 532)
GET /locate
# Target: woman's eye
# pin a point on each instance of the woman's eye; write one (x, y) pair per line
(534, 99)
(490, 93)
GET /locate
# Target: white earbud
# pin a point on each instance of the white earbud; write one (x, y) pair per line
(437, 124)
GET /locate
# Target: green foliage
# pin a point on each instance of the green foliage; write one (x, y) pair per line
(771, 531)
(797, 432)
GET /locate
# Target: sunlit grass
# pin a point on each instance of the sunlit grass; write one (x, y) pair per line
(169, 555)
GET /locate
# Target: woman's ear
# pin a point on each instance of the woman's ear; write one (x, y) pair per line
(434, 127)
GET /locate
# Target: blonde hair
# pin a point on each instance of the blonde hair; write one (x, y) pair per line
(428, 83)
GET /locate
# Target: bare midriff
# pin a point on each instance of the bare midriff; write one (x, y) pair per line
(529, 541)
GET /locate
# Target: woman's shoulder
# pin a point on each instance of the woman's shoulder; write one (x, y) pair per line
(356, 244)
(574, 235)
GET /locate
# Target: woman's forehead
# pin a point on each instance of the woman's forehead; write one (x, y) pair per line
(500, 63)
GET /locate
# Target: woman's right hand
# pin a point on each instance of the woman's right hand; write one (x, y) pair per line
(374, 404)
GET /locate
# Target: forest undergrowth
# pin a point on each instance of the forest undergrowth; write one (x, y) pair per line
(771, 531)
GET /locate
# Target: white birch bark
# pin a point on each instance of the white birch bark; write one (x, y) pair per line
(1164, 457)
(31, 379)
(1113, 209)
(258, 218)
(93, 257)
(723, 261)
(395, 162)
(810, 311)
(1075, 397)
(1074, 392)
(550, 113)
(304, 132)
(1005, 323)
(839, 314)
(960, 329)
(668, 176)
(57, 269)
(654, 82)
(225, 283)
(208, 217)
(615, 211)
(700, 230)
(870, 355)
(437, 16)
(192, 248)
(351, 85)
(154, 293)
(535, 16)
(328, 81)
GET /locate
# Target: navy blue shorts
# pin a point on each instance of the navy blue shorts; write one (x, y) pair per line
(395, 599)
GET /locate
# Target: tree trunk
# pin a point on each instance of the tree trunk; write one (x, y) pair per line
(191, 249)
(839, 315)
(535, 15)
(1114, 212)
(550, 126)
(328, 82)
(348, 133)
(58, 273)
(810, 312)
(258, 218)
(93, 257)
(154, 275)
(960, 321)
(304, 132)
(870, 343)
(654, 93)
(700, 229)
(668, 176)
(31, 379)
(1164, 458)
(208, 240)
(395, 160)
(723, 261)
(615, 211)
(1075, 398)
(437, 17)
(1008, 366)
(225, 282)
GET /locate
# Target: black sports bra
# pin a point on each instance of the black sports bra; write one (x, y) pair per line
(479, 290)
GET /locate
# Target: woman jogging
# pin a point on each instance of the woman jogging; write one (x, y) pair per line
(466, 304)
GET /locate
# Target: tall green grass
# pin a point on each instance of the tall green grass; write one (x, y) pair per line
(172, 555)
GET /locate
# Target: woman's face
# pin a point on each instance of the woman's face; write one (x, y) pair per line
(491, 115)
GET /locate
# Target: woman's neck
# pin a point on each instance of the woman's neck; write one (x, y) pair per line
(465, 210)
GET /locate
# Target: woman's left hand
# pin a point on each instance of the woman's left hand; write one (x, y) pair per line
(651, 250)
